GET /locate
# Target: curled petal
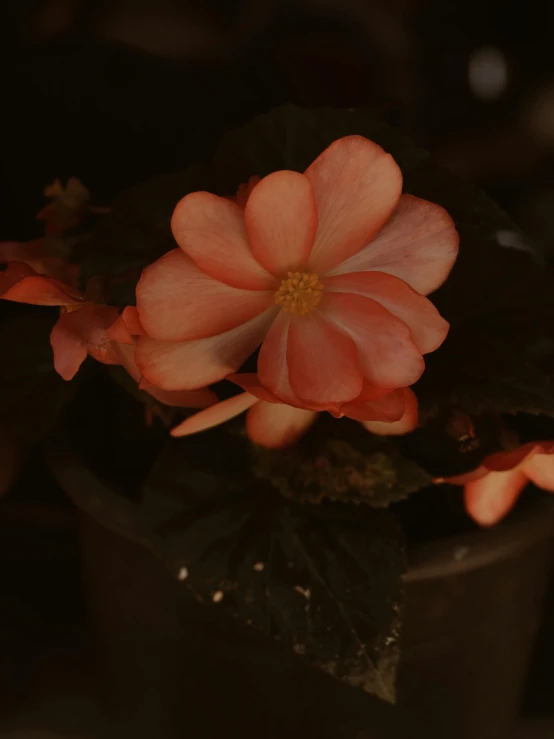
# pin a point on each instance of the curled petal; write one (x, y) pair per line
(418, 244)
(211, 231)
(215, 415)
(500, 461)
(540, 470)
(388, 356)
(407, 421)
(490, 498)
(176, 301)
(201, 398)
(189, 365)
(275, 426)
(356, 186)
(126, 327)
(21, 284)
(281, 222)
(69, 346)
(81, 332)
(322, 360)
(427, 327)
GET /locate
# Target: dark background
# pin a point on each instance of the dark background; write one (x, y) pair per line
(116, 91)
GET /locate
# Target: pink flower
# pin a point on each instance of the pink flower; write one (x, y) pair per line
(274, 425)
(326, 270)
(491, 490)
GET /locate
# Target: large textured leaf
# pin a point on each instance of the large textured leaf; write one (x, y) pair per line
(32, 394)
(322, 580)
(342, 462)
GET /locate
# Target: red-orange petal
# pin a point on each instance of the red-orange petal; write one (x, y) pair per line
(215, 415)
(189, 365)
(388, 356)
(490, 498)
(127, 326)
(68, 345)
(356, 186)
(281, 222)
(404, 424)
(418, 244)
(21, 284)
(427, 327)
(211, 231)
(507, 460)
(322, 361)
(276, 426)
(176, 301)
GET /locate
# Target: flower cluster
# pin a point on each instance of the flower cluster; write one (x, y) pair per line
(325, 274)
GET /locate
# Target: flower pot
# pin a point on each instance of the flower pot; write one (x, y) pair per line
(174, 668)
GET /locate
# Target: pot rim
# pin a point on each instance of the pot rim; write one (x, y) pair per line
(445, 557)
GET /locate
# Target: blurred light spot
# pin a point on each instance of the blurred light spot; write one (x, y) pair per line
(487, 73)
(512, 240)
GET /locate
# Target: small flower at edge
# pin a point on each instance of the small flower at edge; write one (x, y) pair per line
(493, 488)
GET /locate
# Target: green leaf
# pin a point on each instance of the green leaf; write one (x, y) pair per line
(340, 461)
(32, 394)
(324, 581)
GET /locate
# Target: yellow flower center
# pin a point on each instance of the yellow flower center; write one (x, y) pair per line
(299, 293)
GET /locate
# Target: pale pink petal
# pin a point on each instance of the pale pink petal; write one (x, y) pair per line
(322, 360)
(356, 187)
(388, 356)
(406, 423)
(176, 301)
(211, 231)
(275, 426)
(176, 398)
(418, 244)
(491, 497)
(21, 284)
(202, 398)
(273, 371)
(281, 222)
(215, 415)
(427, 327)
(68, 345)
(127, 326)
(540, 470)
(189, 365)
